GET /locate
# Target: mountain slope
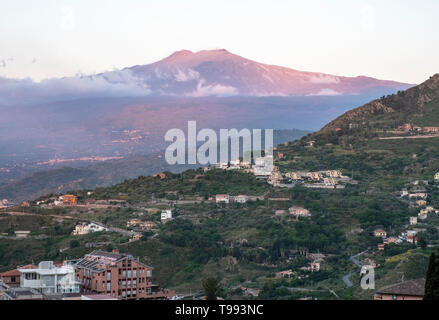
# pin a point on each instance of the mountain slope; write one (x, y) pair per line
(219, 72)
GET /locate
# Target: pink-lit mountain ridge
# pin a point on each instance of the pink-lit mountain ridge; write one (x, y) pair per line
(221, 73)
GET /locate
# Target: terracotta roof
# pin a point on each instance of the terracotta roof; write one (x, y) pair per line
(10, 273)
(408, 288)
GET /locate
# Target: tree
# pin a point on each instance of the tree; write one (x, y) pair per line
(211, 287)
(74, 244)
(432, 279)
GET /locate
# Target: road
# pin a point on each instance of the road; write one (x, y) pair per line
(354, 260)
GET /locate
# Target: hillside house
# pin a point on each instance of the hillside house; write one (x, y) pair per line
(431, 129)
(407, 290)
(21, 234)
(222, 198)
(70, 199)
(83, 228)
(299, 212)
(166, 216)
(413, 221)
(133, 222)
(380, 233)
(421, 203)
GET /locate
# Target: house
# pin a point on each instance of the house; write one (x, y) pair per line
(315, 176)
(413, 221)
(136, 237)
(333, 173)
(70, 200)
(314, 267)
(21, 234)
(311, 143)
(166, 215)
(148, 225)
(390, 240)
(50, 279)
(407, 290)
(222, 198)
(418, 195)
(299, 212)
(119, 276)
(241, 199)
(404, 193)
(284, 274)
(421, 203)
(380, 233)
(133, 222)
(294, 176)
(436, 176)
(412, 237)
(221, 165)
(83, 228)
(431, 129)
(380, 246)
(11, 278)
(160, 175)
(405, 127)
(330, 181)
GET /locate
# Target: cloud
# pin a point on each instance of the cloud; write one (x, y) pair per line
(120, 83)
(326, 92)
(324, 78)
(213, 90)
(183, 76)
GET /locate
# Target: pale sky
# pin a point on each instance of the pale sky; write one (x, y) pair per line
(386, 39)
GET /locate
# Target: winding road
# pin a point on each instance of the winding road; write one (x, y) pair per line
(354, 260)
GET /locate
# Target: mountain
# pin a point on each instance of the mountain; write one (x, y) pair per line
(216, 73)
(221, 73)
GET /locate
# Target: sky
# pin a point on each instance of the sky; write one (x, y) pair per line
(395, 40)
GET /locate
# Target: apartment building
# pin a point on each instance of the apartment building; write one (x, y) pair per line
(118, 275)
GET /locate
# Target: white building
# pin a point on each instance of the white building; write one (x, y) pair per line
(224, 198)
(263, 166)
(84, 228)
(299, 212)
(166, 215)
(241, 199)
(413, 220)
(49, 279)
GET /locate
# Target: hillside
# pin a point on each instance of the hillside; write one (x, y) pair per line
(247, 245)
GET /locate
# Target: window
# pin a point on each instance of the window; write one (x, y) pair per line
(134, 273)
(129, 273)
(148, 273)
(148, 290)
(108, 276)
(124, 273)
(108, 286)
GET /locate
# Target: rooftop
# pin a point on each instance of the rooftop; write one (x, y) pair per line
(408, 288)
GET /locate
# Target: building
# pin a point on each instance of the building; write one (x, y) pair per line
(97, 297)
(148, 225)
(21, 234)
(333, 173)
(412, 236)
(413, 221)
(70, 200)
(314, 267)
(390, 240)
(133, 222)
(380, 246)
(12, 277)
(118, 275)
(407, 290)
(50, 279)
(166, 215)
(294, 176)
(222, 198)
(431, 129)
(284, 274)
(436, 176)
(380, 233)
(21, 294)
(314, 176)
(421, 203)
(241, 199)
(299, 212)
(86, 228)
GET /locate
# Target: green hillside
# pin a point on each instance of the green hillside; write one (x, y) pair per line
(245, 245)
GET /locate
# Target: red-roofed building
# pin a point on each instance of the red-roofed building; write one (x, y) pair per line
(12, 277)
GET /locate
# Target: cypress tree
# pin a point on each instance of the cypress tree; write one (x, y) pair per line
(432, 279)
